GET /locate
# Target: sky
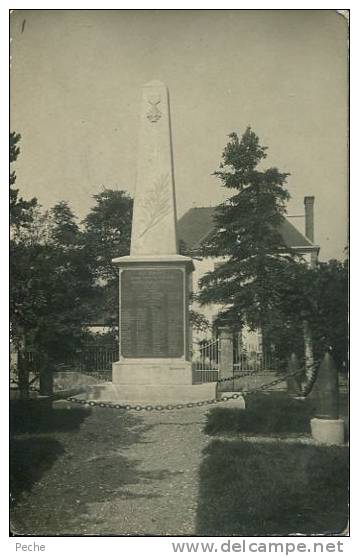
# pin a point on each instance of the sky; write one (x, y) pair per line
(76, 78)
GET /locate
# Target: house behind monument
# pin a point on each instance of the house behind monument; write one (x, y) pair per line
(196, 225)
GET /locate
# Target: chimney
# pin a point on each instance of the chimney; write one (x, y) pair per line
(309, 217)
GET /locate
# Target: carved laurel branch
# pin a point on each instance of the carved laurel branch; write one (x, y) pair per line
(156, 204)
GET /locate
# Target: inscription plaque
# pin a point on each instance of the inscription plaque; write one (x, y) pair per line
(151, 313)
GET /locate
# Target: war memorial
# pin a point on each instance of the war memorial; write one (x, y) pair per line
(155, 280)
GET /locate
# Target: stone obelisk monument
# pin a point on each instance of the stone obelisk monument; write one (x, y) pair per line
(154, 364)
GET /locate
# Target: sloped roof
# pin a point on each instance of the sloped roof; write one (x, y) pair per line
(195, 225)
(293, 237)
(198, 222)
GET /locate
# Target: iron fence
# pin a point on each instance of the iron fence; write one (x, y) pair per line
(97, 358)
(205, 361)
(250, 358)
(90, 358)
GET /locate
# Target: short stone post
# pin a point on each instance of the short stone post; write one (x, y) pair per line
(326, 426)
(225, 352)
(293, 382)
(308, 346)
(23, 374)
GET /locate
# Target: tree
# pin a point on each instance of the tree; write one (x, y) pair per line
(246, 236)
(108, 230)
(21, 218)
(51, 279)
(65, 281)
(329, 316)
(320, 296)
(107, 234)
(20, 210)
(60, 273)
(198, 321)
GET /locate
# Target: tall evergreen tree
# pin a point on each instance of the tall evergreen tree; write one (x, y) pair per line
(247, 237)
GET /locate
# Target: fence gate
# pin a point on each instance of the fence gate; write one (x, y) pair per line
(205, 361)
(212, 360)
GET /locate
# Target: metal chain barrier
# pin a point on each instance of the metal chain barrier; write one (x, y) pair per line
(171, 407)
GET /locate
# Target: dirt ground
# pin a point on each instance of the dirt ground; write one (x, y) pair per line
(100, 471)
(219, 470)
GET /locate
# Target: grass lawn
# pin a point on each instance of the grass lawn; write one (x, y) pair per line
(264, 476)
(273, 414)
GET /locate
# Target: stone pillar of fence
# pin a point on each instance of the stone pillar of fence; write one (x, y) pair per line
(225, 352)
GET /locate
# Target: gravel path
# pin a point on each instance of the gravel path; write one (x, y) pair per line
(165, 503)
(115, 473)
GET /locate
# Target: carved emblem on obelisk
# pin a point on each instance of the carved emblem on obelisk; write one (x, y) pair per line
(154, 113)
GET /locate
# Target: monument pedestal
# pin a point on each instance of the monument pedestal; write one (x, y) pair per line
(154, 365)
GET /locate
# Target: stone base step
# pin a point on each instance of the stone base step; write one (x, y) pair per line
(150, 394)
(158, 372)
